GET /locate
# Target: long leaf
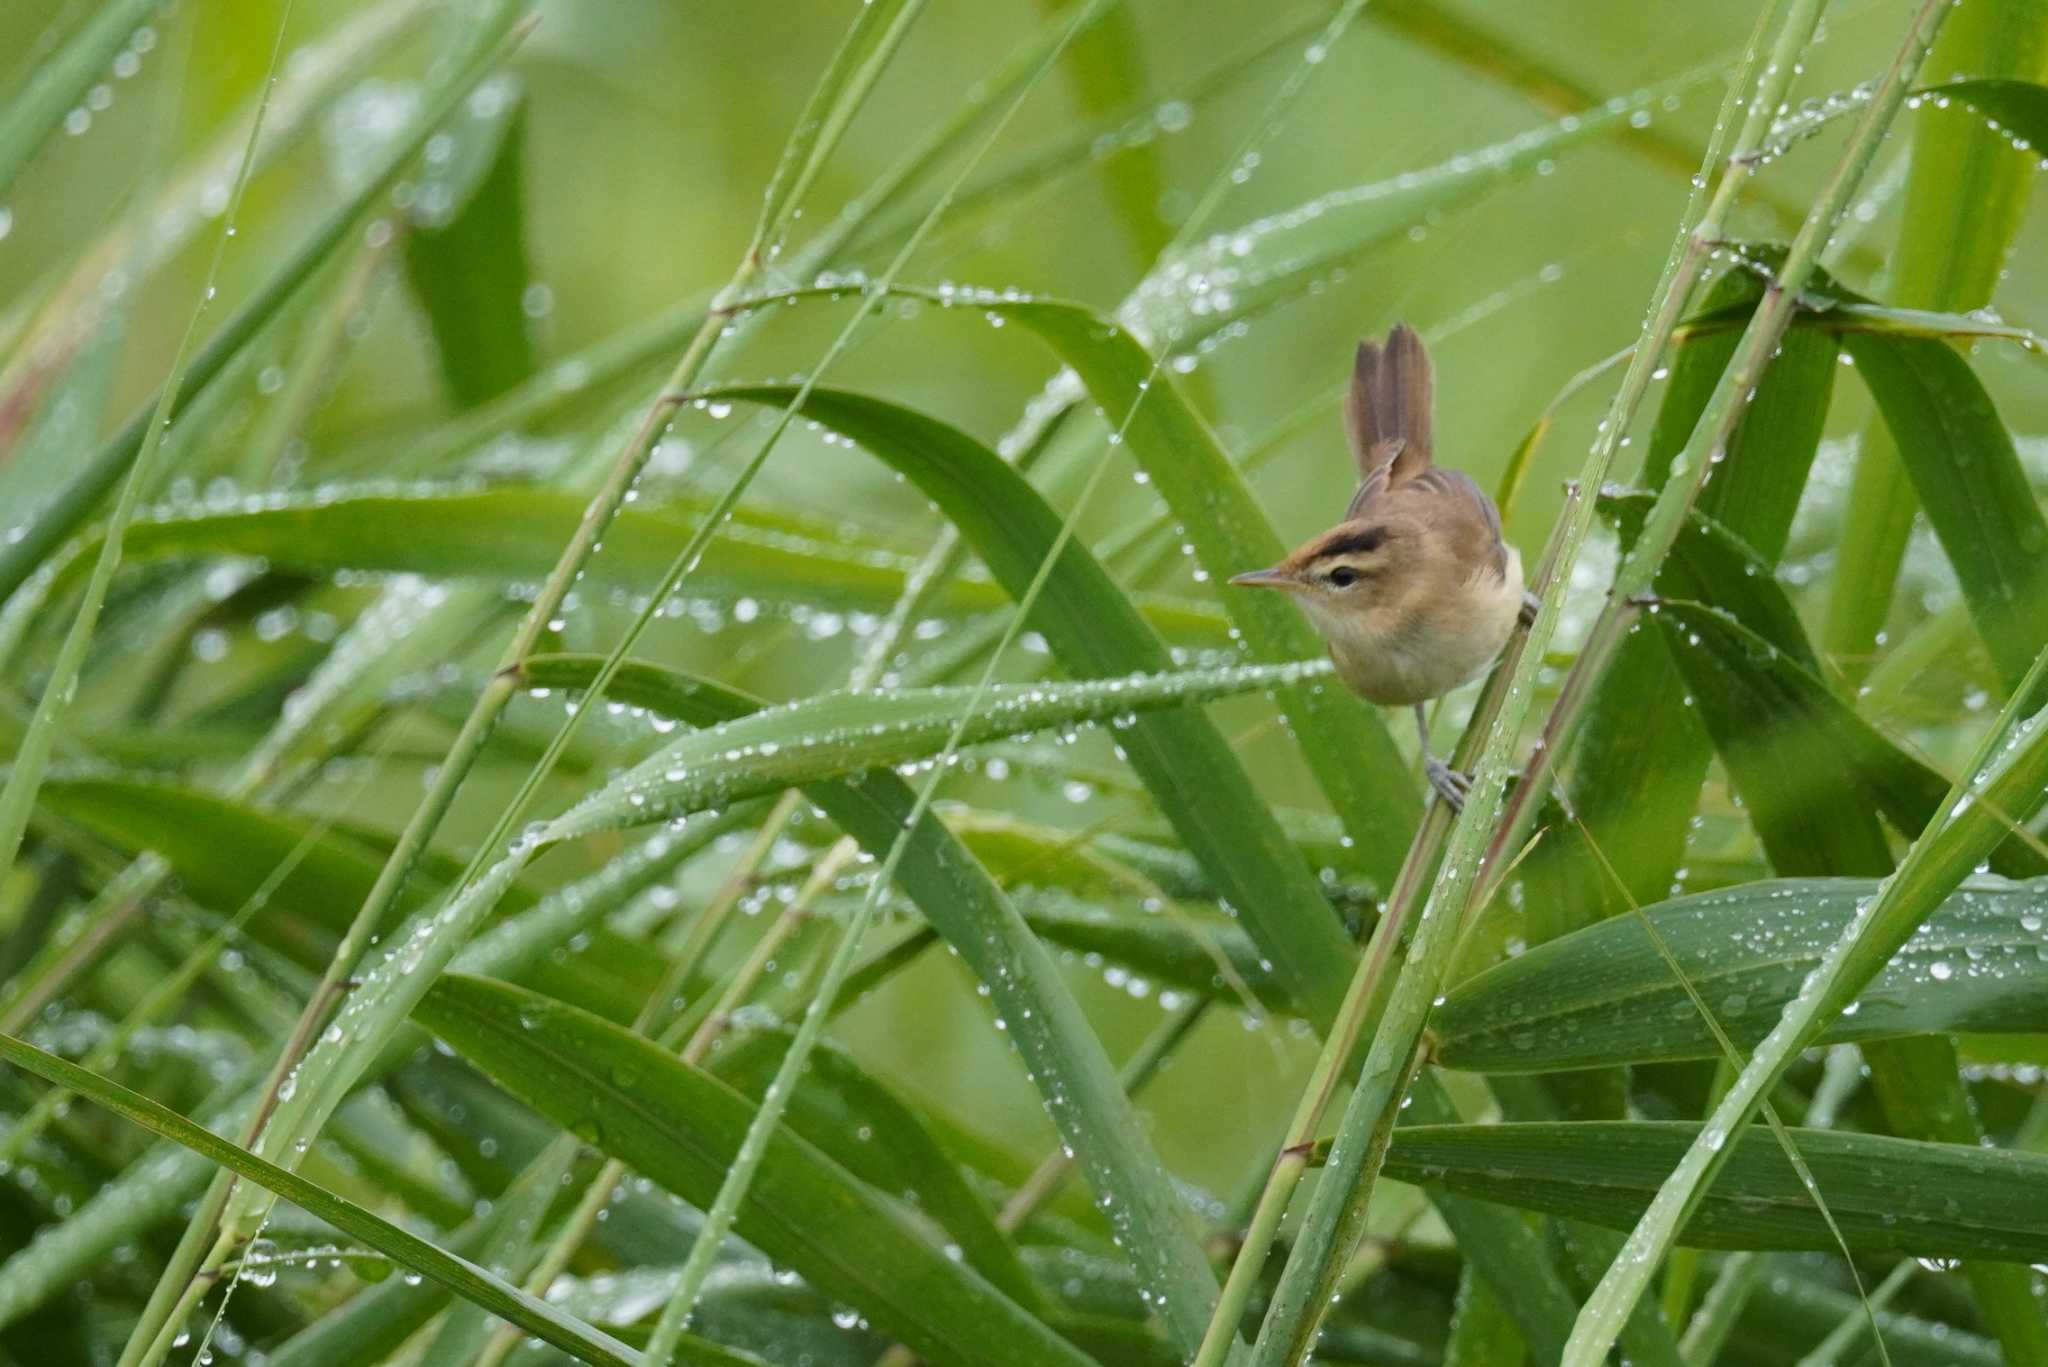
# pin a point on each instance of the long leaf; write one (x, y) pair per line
(836, 734)
(1605, 995)
(1886, 1194)
(681, 1128)
(1969, 479)
(465, 253)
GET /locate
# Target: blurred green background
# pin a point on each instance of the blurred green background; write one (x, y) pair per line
(651, 128)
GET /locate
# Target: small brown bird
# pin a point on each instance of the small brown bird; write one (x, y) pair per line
(1414, 590)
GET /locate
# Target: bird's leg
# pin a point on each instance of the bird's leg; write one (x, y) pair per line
(1450, 785)
(1531, 605)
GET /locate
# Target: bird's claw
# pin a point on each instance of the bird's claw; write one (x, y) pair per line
(1450, 784)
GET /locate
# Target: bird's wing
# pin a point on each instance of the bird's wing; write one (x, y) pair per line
(1481, 525)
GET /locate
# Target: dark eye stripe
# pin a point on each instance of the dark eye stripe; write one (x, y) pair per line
(1355, 543)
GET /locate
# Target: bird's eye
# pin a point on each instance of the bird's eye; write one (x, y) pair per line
(1343, 577)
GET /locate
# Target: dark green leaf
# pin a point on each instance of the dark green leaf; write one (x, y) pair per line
(465, 249)
(1604, 995)
(1970, 481)
(682, 1128)
(1888, 1195)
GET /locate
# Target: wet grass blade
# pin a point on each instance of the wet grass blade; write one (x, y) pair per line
(1604, 995)
(465, 249)
(466, 1279)
(503, 536)
(1968, 477)
(1888, 1195)
(835, 735)
(681, 1128)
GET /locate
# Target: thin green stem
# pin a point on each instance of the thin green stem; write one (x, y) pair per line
(1333, 1222)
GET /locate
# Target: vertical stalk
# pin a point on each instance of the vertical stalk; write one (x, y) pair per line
(1334, 1219)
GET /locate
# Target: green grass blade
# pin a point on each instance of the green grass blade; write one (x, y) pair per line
(1966, 193)
(1887, 1195)
(465, 250)
(1968, 477)
(466, 1279)
(1093, 628)
(870, 44)
(1604, 995)
(836, 735)
(681, 1128)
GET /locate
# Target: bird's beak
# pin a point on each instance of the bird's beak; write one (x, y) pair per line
(1275, 578)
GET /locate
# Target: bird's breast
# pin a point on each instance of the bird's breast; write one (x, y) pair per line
(1422, 649)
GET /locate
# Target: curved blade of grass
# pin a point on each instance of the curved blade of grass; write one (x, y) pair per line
(1093, 628)
(62, 514)
(1197, 291)
(1346, 745)
(681, 1128)
(464, 1278)
(847, 1102)
(1886, 1194)
(465, 253)
(503, 534)
(1968, 477)
(1605, 995)
(832, 735)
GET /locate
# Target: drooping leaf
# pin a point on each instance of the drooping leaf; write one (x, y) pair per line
(465, 250)
(1968, 477)
(681, 1128)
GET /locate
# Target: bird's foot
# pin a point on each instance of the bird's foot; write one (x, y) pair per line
(1450, 784)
